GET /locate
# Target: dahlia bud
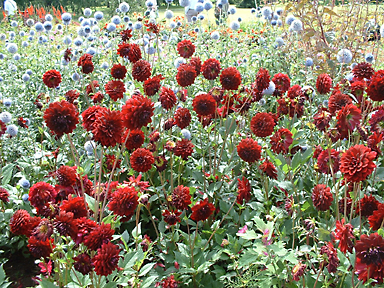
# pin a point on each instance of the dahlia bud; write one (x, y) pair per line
(154, 136)
(169, 124)
(224, 243)
(170, 145)
(298, 271)
(161, 163)
(144, 199)
(309, 224)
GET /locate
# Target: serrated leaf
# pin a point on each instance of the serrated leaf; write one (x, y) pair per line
(6, 173)
(45, 283)
(248, 235)
(148, 282)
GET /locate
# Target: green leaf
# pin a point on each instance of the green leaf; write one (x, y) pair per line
(7, 173)
(90, 201)
(379, 176)
(249, 235)
(45, 283)
(146, 268)
(148, 282)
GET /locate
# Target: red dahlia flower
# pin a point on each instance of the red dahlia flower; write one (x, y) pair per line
(344, 233)
(183, 148)
(137, 112)
(298, 271)
(357, 163)
(126, 34)
(262, 124)
(171, 217)
(230, 78)
(262, 79)
(130, 51)
(347, 119)
(327, 159)
(281, 140)
(107, 259)
(196, 62)
(282, 83)
(142, 160)
(186, 75)
(52, 78)
(85, 62)
(3, 128)
(135, 139)
(169, 282)
(375, 89)
(115, 89)
(322, 119)
(324, 83)
(322, 197)
(152, 85)
(71, 95)
(182, 117)
(83, 263)
(4, 194)
(108, 128)
(75, 205)
(118, 71)
(141, 70)
(41, 193)
(377, 217)
(66, 176)
(202, 210)
(61, 117)
(333, 260)
(181, 198)
(167, 98)
(268, 168)
(363, 70)
(211, 68)
(243, 191)
(20, 223)
(124, 202)
(43, 230)
(40, 248)
(100, 234)
(337, 101)
(367, 205)
(89, 117)
(66, 225)
(185, 48)
(204, 104)
(295, 92)
(249, 150)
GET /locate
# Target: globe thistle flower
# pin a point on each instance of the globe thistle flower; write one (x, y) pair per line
(308, 62)
(235, 25)
(369, 57)
(24, 183)
(99, 15)
(296, 25)
(39, 27)
(137, 25)
(5, 117)
(87, 12)
(270, 89)
(184, 3)
(290, 19)
(116, 20)
(168, 14)
(267, 12)
(12, 48)
(12, 130)
(66, 18)
(124, 7)
(208, 5)
(344, 56)
(215, 35)
(30, 22)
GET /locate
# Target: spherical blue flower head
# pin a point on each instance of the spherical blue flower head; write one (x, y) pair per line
(201, 17)
(12, 130)
(150, 50)
(30, 22)
(1, 56)
(81, 19)
(75, 76)
(99, 15)
(89, 146)
(39, 27)
(275, 17)
(349, 77)
(85, 22)
(267, 12)
(353, 65)
(208, 5)
(262, 101)
(273, 22)
(279, 11)
(235, 25)
(289, 19)
(279, 41)
(12, 48)
(87, 29)
(253, 10)
(12, 34)
(90, 38)
(178, 23)
(165, 37)
(325, 103)
(184, 3)
(197, 30)
(168, 14)
(96, 29)
(78, 42)
(194, 18)
(138, 25)
(67, 40)
(179, 61)
(124, 7)
(91, 51)
(117, 10)
(116, 20)
(105, 40)
(24, 183)
(24, 44)
(3, 37)
(66, 18)
(5, 116)
(215, 35)
(25, 198)
(297, 25)
(270, 89)
(25, 77)
(16, 57)
(220, 5)
(186, 134)
(232, 10)
(81, 32)
(111, 27)
(1, 80)
(344, 56)
(126, 19)
(87, 12)
(279, 22)
(29, 72)
(149, 3)
(104, 65)
(48, 17)
(147, 13)
(199, 7)
(369, 57)
(21, 33)
(308, 62)
(224, 2)
(14, 24)
(32, 32)
(30, 38)
(172, 25)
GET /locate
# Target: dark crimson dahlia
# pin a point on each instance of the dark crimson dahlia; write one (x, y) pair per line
(76, 205)
(107, 259)
(83, 263)
(141, 70)
(377, 121)
(52, 78)
(169, 282)
(202, 210)
(363, 70)
(375, 89)
(115, 89)
(152, 85)
(66, 225)
(327, 159)
(182, 117)
(321, 119)
(86, 64)
(262, 79)
(282, 83)
(211, 68)
(20, 223)
(3, 128)
(196, 62)
(357, 163)
(183, 148)
(40, 248)
(130, 51)
(281, 140)
(89, 117)
(185, 48)
(108, 128)
(118, 71)
(167, 98)
(66, 176)
(337, 101)
(268, 168)
(171, 217)
(98, 235)
(135, 139)
(262, 124)
(367, 205)
(186, 75)
(332, 260)
(249, 150)
(71, 95)
(61, 117)
(137, 112)
(230, 78)
(204, 104)
(41, 193)
(243, 191)
(377, 217)
(344, 233)
(322, 197)
(181, 197)
(373, 142)
(295, 92)
(124, 202)
(43, 230)
(348, 119)
(142, 160)
(324, 83)
(4, 195)
(370, 249)
(126, 34)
